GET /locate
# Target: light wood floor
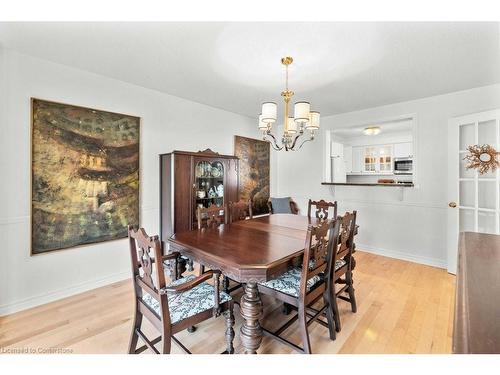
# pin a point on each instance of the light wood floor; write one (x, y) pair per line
(403, 307)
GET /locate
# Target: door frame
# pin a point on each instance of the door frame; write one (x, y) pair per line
(453, 224)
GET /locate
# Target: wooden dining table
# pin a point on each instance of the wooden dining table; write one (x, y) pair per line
(249, 252)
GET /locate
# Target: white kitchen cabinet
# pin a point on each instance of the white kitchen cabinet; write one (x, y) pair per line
(358, 159)
(378, 159)
(403, 150)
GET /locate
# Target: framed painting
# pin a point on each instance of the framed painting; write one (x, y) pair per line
(84, 175)
(254, 180)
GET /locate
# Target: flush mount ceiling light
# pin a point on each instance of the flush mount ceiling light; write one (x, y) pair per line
(293, 127)
(371, 130)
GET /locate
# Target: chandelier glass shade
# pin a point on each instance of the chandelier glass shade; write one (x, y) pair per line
(293, 127)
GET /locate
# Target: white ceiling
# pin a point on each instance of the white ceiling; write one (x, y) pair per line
(339, 67)
(397, 127)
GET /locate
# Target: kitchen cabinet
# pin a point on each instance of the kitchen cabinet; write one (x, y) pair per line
(378, 159)
(358, 153)
(403, 150)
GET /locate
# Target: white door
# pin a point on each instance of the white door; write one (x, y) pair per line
(474, 199)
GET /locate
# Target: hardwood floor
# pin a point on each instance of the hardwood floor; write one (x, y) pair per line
(403, 307)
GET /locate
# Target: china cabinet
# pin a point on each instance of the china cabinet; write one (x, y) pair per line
(189, 180)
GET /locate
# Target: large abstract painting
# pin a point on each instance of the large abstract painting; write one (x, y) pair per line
(254, 171)
(85, 175)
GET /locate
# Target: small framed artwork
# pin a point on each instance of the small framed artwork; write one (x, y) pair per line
(84, 175)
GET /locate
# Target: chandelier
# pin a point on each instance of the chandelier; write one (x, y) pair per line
(293, 127)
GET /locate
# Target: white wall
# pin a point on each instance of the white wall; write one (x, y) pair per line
(413, 228)
(167, 123)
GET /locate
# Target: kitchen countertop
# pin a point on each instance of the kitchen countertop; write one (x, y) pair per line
(365, 184)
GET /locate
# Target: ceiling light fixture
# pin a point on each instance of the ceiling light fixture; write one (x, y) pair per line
(371, 130)
(294, 127)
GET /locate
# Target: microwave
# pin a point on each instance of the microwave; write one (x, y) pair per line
(403, 166)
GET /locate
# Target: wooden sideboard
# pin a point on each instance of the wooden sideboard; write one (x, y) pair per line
(183, 174)
(477, 305)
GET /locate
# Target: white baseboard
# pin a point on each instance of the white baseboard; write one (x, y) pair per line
(440, 263)
(34, 301)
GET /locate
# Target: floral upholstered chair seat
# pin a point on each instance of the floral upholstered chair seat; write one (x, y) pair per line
(189, 303)
(338, 264)
(289, 282)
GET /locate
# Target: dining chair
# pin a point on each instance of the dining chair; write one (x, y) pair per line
(213, 217)
(343, 260)
(174, 307)
(237, 211)
(240, 210)
(301, 287)
(322, 209)
(282, 206)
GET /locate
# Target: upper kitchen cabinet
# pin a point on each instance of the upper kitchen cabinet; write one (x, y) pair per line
(358, 159)
(403, 150)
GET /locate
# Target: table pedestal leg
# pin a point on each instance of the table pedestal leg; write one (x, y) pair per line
(251, 311)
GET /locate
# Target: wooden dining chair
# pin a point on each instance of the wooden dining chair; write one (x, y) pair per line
(211, 217)
(301, 287)
(322, 209)
(343, 260)
(282, 206)
(240, 210)
(175, 307)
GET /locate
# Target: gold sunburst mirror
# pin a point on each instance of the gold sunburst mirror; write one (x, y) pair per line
(483, 158)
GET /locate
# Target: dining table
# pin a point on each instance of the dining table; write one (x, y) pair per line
(248, 252)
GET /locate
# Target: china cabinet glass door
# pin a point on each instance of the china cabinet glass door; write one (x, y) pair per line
(209, 184)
